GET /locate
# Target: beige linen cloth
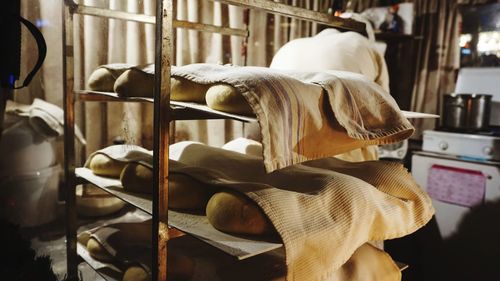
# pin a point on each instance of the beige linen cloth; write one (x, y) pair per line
(125, 153)
(323, 210)
(309, 115)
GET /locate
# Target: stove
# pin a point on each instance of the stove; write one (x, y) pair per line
(462, 170)
(477, 146)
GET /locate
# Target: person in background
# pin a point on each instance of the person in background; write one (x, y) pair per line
(393, 22)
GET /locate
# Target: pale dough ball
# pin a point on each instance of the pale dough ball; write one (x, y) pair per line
(185, 193)
(137, 178)
(136, 273)
(234, 213)
(180, 267)
(135, 83)
(103, 165)
(98, 252)
(226, 98)
(186, 90)
(101, 80)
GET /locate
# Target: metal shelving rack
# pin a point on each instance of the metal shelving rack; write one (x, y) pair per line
(164, 110)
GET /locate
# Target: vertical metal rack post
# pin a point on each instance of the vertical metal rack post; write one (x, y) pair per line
(69, 141)
(163, 60)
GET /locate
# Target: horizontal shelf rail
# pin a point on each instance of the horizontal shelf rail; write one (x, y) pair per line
(180, 110)
(121, 15)
(298, 13)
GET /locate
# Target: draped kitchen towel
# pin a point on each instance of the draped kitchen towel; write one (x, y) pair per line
(125, 153)
(309, 115)
(323, 209)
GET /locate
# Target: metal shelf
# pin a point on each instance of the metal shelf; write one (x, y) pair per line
(194, 224)
(179, 110)
(113, 186)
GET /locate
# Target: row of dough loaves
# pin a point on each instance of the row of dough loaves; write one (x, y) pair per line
(226, 210)
(138, 81)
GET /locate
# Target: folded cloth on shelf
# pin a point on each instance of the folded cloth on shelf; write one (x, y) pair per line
(104, 77)
(45, 118)
(309, 115)
(323, 210)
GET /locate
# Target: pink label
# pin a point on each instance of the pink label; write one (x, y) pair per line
(456, 186)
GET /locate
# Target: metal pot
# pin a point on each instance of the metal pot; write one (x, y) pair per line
(466, 112)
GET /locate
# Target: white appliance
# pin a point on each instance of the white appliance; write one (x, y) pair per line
(460, 170)
(455, 185)
(466, 146)
(482, 80)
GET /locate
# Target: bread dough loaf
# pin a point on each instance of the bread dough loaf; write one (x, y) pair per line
(104, 77)
(136, 177)
(101, 80)
(136, 273)
(184, 192)
(180, 267)
(232, 212)
(103, 165)
(135, 83)
(97, 251)
(118, 236)
(186, 90)
(226, 98)
(96, 202)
